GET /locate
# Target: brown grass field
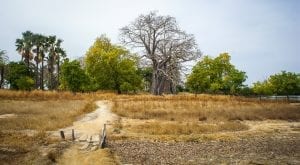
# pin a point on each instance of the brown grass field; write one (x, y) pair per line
(27, 116)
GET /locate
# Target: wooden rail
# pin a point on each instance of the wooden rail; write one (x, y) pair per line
(102, 137)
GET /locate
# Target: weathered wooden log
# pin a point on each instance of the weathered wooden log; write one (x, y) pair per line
(62, 135)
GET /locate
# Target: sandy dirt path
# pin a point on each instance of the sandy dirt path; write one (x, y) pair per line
(92, 123)
(86, 129)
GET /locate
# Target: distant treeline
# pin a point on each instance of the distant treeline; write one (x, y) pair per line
(157, 67)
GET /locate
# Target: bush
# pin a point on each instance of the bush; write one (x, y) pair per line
(25, 83)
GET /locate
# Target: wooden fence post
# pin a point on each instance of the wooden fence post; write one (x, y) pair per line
(103, 137)
(73, 135)
(62, 135)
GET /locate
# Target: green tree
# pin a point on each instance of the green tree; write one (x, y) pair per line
(19, 76)
(285, 83)
(25, 83)
(3, 63)
(199, 81)
(112, 67)
(262, 88)
(73, 77)
(216, 75)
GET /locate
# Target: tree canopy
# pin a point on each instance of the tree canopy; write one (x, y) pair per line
(19, 76)
(73, 77)
(36, 49)
(216, 75)
(112, 67)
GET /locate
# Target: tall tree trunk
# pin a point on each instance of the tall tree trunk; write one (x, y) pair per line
(154, 79)
(42, 74)
(37, 75)
(27, 58)
(2, 76)
(37, 68)
(58, 69)
(50, 72)
(160, 85)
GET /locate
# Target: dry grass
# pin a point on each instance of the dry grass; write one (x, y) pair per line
(184, 117)
(53, 95)
(174, 128)
(17, 142)
(42, 115)
(205, 108)
(74, 156)
(190, 116)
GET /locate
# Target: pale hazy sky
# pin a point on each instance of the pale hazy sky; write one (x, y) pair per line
(262, 36)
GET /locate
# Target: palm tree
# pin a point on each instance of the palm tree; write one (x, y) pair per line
(43, 50)
(55, 53)
(24, 47)
(38, 42)
(3, 61)
(51, 59)
(61, 55)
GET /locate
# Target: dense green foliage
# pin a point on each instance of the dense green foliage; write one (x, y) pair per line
(73, 77)
(216, 75)
(19, 76)
(112, 67)
(284, 83)
(262, 88)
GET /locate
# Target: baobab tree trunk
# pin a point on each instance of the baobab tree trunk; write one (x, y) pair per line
(155, 81)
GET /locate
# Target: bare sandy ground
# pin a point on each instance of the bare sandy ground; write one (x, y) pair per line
(10, 115)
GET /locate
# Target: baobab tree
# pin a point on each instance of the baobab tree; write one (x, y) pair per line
(164, 44)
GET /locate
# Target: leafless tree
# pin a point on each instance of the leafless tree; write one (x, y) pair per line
(164, 44)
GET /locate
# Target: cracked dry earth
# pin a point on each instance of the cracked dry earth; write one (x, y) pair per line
(262, 147)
